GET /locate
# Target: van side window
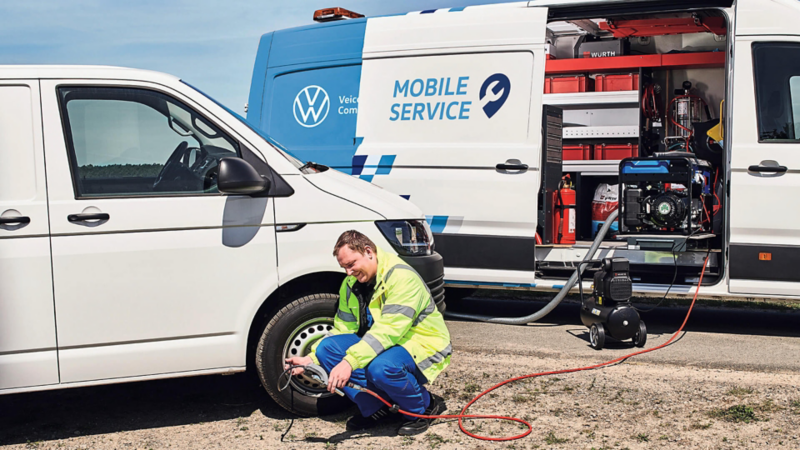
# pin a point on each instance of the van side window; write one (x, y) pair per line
(777, 79)
(132, 142)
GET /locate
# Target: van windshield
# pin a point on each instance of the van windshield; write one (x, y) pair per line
(280, 148)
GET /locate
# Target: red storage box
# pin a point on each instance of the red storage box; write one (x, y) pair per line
(623, 82)
(615, 151)
(576, 152)
(568, 84)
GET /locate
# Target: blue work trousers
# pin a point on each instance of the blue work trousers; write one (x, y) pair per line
(393, 375)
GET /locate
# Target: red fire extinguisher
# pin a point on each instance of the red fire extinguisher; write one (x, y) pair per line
(564, 213)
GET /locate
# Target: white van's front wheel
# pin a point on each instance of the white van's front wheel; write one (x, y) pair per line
(291, 332)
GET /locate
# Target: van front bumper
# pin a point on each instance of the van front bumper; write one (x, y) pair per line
(431, 269)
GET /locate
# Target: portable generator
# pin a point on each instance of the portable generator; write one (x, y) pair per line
(667, 195)
(608, 312)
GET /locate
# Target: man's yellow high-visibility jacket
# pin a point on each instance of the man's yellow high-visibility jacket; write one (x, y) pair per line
(404, 314)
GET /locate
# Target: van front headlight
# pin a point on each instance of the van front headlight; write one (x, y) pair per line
(408, 237)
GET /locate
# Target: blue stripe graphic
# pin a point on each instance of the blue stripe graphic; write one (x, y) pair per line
(366, 171)
(437, 223)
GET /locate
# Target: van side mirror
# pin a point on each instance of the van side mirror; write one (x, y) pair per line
(238, 177)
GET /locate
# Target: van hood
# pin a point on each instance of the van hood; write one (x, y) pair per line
(387, 204)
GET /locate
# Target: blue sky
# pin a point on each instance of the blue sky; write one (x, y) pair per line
(212, 45)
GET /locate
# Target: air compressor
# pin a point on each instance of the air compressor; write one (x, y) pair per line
(608, 312)
(564, 213)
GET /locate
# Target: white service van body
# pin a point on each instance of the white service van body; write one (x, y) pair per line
(414, 104)
(121, 260)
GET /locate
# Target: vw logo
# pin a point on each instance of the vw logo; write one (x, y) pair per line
(311, 106)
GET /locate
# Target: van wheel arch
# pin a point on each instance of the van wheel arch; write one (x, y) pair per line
(313, 283)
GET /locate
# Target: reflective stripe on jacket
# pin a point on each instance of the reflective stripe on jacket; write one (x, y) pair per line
(404, 314)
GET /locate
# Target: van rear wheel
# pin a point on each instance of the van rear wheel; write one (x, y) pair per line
(292, 332)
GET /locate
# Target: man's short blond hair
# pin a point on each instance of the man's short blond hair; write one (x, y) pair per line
(355, 240)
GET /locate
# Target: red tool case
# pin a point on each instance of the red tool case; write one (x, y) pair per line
(620, 82)
(615, 151)
(576, 152)
(568, 84)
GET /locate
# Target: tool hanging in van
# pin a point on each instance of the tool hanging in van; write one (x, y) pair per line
(686, 109)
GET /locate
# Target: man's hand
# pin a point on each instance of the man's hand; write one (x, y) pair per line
(297, 361)
(339, 376)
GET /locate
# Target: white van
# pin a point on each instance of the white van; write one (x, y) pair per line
(147, 232)
(445, 108)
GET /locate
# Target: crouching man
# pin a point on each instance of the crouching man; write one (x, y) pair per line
(388, 336)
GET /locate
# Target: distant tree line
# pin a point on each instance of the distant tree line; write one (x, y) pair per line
(120, 170)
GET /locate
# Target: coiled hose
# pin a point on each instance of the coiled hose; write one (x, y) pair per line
(558, 298)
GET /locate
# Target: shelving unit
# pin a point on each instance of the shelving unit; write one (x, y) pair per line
(593, 99)
(592, 167)
(614, 117)
(607, 132)
(621, 63)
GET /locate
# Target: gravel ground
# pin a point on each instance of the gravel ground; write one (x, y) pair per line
(675, 403)
(631, 405)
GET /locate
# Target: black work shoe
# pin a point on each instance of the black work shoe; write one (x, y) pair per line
(417, 426)
(359, 422)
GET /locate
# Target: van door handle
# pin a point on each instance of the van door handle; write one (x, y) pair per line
(14, 220)
(506, 166)
(767, 169)
(90, 216)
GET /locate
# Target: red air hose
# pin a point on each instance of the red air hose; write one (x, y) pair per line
(462, 416)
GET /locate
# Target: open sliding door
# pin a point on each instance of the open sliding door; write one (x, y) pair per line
(450, 117)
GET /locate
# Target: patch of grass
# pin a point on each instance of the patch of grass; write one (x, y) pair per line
(520, 398)
(736, 414)
(740, 391)
(240, 421)
(434, 440)
(408, 440)
(768, 406)
(701, 426)
(663, 437)
(568, 388)
(642, 437)
(795, 406)
(278, 426)
(552, 439)
(244, 428)
(471, 388)
(557, 412)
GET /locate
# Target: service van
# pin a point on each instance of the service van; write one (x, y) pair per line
(147, 232)
(680, 113)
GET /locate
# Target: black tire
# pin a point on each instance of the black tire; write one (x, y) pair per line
(640, 338)
(302, 321)
(597, 336)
